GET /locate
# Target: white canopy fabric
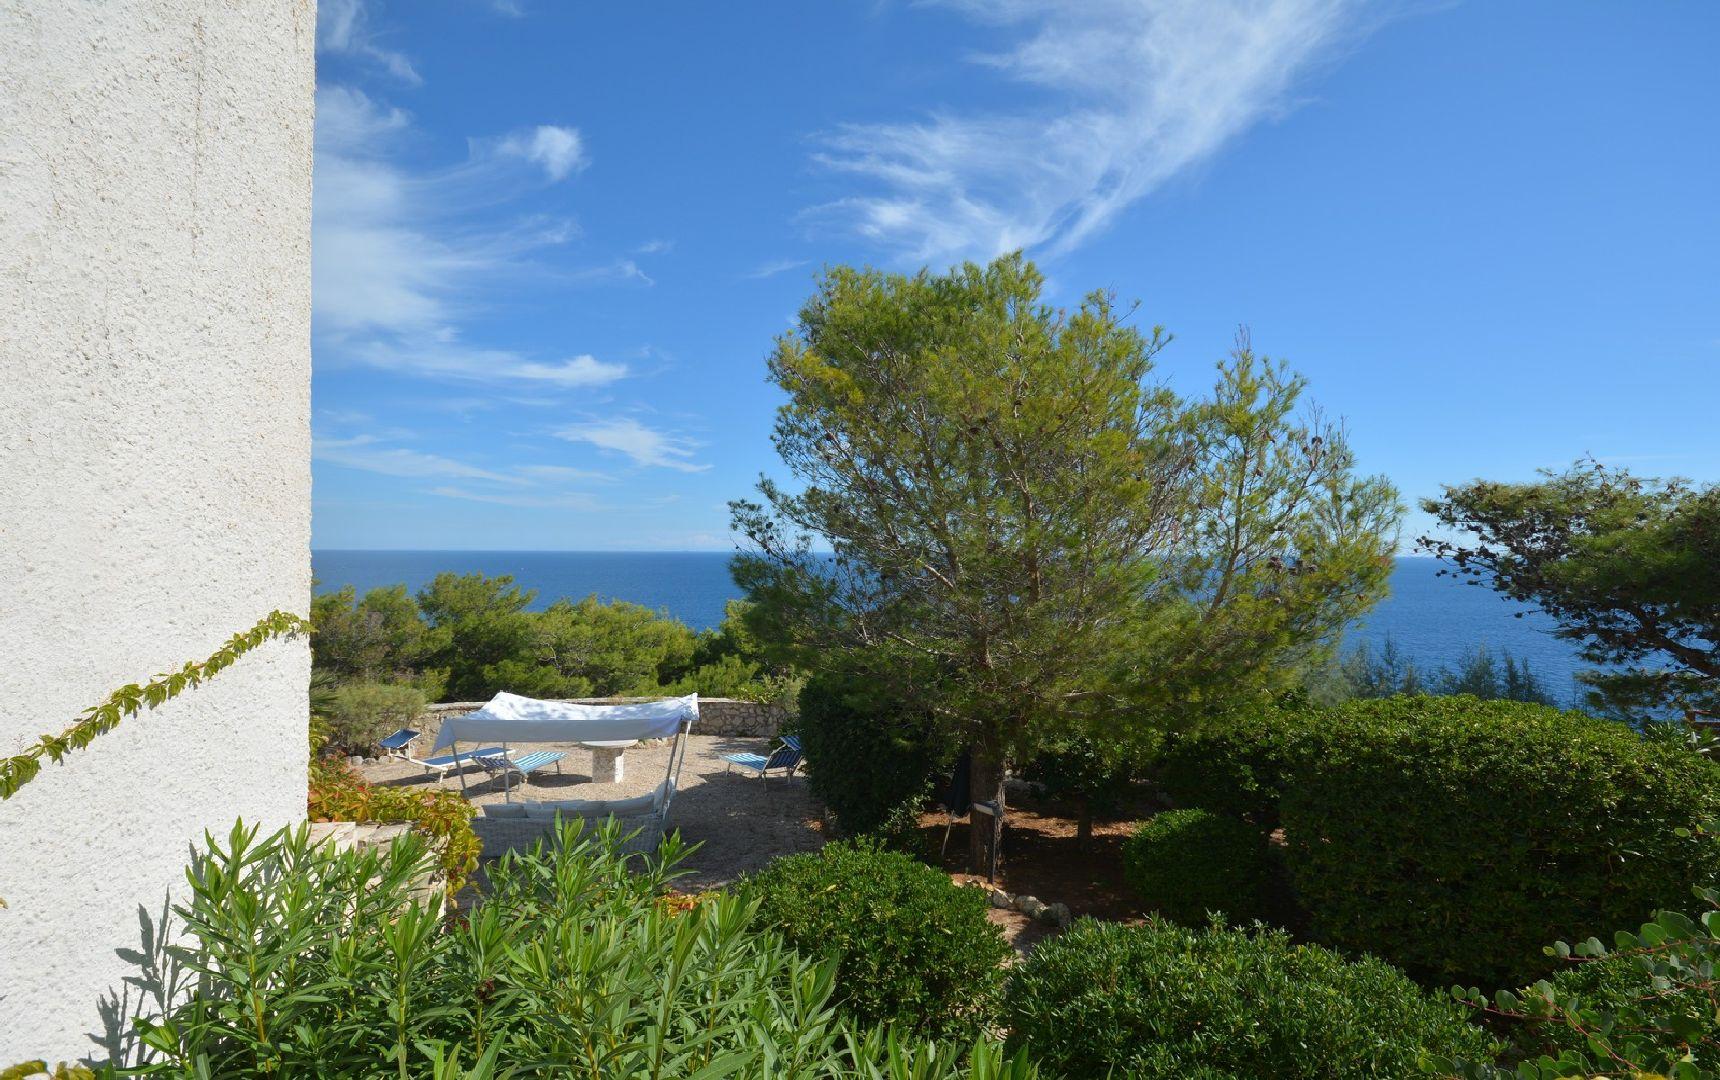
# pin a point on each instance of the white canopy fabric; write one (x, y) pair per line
(510, 718)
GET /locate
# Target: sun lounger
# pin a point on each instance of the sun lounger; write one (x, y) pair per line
(444, 764)
(785, 759)
(396, 744)
(498, 762)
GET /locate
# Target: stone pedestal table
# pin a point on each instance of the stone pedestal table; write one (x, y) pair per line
(607, 764)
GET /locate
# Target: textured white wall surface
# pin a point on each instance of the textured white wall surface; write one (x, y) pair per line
(155, 190)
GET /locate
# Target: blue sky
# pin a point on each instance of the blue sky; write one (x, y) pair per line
(553, 241)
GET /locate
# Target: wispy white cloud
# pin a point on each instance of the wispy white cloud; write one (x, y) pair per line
(516, 485)
(348, 119)
(396, 268)
(1136, 92)
(567, 500)
(643, 445)
(370, 454)
(344, 27)
(559, 150)
(775, 267)
(563, 474)
(654, 247)
(621, 270)
(450, 359)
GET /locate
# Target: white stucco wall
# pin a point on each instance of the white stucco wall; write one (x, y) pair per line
(155, 188)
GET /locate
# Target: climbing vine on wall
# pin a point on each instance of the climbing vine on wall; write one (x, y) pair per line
(129, 700)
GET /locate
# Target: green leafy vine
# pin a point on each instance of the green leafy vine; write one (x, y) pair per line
(129, 700)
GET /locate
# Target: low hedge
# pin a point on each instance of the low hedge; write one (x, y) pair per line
(869, 756)
(913, 948)
(1238, 766)
(1187, 863)
(1455, 837)
(1162, 1001)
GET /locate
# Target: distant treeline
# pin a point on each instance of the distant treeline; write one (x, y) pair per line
(464, 637)
(1482, 673)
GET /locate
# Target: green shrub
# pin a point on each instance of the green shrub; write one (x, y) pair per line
(1162, 1001)
(1676, 1018)
(308, 962)
(869, 756)
(1454, 837)
(1644, 1009)
(915, 949)
(1186, 863)
(361, 713)
(1238, 766)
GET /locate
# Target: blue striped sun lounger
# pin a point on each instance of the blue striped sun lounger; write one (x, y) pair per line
(497, 761)
(785, 759)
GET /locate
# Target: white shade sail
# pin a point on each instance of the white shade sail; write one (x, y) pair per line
(510, 718)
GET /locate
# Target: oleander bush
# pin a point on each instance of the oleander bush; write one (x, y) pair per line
(869, 755)
(302, 961)
(1186, 864)
(1454, 837)
(914, 949)
(1164, 1002)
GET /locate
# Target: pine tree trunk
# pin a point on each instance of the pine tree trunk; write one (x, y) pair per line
(986, 776)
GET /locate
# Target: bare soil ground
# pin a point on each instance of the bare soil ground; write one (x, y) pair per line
(1042, 858)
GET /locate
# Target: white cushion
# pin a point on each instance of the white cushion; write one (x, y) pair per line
(546, 811)
(505, 810)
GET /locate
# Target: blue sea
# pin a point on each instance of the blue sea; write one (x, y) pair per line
(1434, 621)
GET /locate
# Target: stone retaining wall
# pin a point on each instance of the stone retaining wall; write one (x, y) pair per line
(717, 716)
(377, 835)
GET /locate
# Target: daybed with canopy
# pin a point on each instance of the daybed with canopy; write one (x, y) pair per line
(511, 718)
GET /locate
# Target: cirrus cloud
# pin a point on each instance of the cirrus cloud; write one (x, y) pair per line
(643, 445)
(1136, 91)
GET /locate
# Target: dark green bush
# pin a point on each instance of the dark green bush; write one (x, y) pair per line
(1186, 863)
(869, 756)
(361, 713)
(1455, 837)
(1238, 766)
(1162, 1001)
(914, 948)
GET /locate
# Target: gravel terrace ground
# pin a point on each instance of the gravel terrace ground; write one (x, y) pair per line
(743, 822)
